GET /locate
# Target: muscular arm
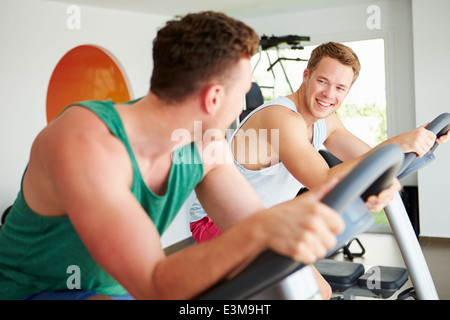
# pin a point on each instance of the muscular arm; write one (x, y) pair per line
(301, 229)
(302, 159)
(418, 140)
(304, 162)
(116, 231)
(224, 193)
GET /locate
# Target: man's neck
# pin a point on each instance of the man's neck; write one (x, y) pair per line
(155, 127)
(298, 98)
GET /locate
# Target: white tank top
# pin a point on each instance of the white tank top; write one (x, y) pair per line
(273, 184)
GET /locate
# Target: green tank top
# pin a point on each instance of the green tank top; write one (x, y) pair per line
(40, 253)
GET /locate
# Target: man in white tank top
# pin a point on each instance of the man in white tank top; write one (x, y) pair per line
(288, 133)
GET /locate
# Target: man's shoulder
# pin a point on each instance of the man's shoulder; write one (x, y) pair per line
(214, 154)
(332, 122)
(273, 116)
(79, 132)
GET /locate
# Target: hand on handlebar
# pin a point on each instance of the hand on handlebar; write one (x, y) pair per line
(419, 140)
(444, 138)
(304, 228)
(381, 200)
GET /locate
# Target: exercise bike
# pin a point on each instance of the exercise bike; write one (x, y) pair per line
(373, 174)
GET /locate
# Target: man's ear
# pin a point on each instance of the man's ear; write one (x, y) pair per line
(212, 98)
(305, 74)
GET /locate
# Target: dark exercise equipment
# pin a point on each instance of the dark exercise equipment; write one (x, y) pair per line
(253, 99)
(342, 275)
(294, 41)
(269, 268)
(439, 126)
(351, 279)
(378, 168)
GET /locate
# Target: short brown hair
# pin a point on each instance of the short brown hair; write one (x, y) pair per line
(338, 51)
(189, 51)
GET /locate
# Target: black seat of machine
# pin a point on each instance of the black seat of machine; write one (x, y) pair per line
(389, 281)
(341, 275)
(378, 281)
(253, 99)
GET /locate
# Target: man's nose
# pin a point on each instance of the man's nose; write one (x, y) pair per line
(329, 92)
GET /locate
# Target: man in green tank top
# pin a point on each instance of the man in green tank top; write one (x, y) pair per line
(105, 180)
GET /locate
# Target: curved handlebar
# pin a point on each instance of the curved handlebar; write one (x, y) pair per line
(439, 126)
(378, 169)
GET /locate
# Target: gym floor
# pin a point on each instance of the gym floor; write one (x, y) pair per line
(382, 249)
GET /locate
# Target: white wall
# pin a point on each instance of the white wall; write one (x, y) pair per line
(431, 27)
(33, 38)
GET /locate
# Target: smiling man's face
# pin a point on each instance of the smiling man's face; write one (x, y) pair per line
(326, 87)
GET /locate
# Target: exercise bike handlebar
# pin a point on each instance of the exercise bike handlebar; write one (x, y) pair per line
(372, 175)
(375, 172)
(439, 126)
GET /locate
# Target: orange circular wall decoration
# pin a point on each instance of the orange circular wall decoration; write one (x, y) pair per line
(85, 73)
